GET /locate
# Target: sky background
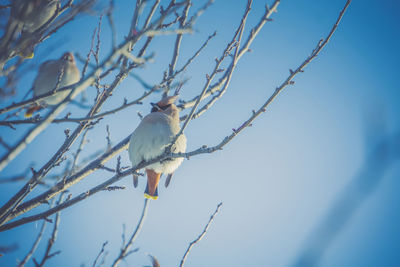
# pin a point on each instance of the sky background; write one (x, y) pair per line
(277, 180)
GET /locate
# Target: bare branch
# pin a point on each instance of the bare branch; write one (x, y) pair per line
(199, 12)
(34, 246)
(100, 253)
(190, 60)
(80, 149)
(89, 53)
(53, 238)
(178, 40)
(226, 52)
(125, 249)
(3, 143)
(253, 33)
(198, 239)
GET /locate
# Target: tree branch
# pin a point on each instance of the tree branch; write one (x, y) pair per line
(34, 246)
(125, 249)
(200, 237)
(253, 33)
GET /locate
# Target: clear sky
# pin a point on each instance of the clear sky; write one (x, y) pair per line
(278, 179)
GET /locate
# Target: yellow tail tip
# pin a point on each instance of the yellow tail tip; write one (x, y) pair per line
(150, 197)
(29, 56)
(28, 114)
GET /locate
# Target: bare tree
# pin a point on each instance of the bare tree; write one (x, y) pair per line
(150, 21)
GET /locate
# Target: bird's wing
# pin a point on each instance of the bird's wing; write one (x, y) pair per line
(150, 138)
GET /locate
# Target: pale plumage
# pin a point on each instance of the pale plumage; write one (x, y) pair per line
(27, 16)
(33, 14)
(62, 71)
(154, 133)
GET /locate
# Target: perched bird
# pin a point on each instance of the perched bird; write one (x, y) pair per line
(54, 74)
(150, 139)
(28, 16)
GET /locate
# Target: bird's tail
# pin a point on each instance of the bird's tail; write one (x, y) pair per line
(153, 179)
(13, 28)
(32, 109)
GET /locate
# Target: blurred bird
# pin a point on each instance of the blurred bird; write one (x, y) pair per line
(150, 139)
(54, 74)
(28, 16)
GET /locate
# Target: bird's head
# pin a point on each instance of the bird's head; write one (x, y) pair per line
(164, 104)
(69, 57)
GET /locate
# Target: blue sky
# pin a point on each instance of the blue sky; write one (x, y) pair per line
(278, 178)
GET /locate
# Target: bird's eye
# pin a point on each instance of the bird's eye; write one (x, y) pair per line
(67, 57)
(165, 107)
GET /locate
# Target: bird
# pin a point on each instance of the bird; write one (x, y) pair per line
(54, 74)
(152, 136)
(28, 17)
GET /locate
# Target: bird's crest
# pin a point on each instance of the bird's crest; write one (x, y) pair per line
(168, 100)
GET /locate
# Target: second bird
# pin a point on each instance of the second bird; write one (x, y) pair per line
(54, 74)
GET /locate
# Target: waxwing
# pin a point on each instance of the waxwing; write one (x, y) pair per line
(28, 16)
(54, 73)
(150, 139)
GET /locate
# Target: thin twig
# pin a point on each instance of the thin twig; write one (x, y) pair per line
(100, 253)
(53, 238)
(200, 11)
(34, 246)
(229, 75)
(198, 239)
(125, 249)
(245, 48)
(178, 40)
(87, 61)
(209, 78)
(3, 143)
(190, 60)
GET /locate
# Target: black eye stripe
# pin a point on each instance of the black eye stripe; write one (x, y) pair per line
(156, 107)
(165, 107)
